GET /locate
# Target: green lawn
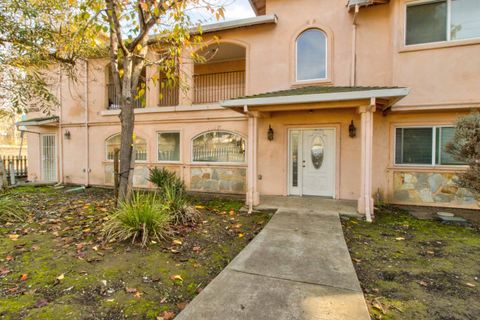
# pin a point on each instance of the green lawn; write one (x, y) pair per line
(416, 269)
(55, 265)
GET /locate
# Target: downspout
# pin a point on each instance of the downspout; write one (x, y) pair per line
(87, 137)
(60, 135)
(353, 72)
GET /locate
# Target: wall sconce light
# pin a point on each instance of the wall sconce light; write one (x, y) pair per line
(270, 133)
(67, 135)
(352, 130)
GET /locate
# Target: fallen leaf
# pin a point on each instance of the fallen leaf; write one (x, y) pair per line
(423, 283)
(9, 258)
(471, 285)
(177, 242)
(95, 248)
(131, 290)
(181, 305)
(199, 207)
(176, 277)
(196, 249)
(241, 235)
(61, 277)
(4, 271)
(400, 238)
(23, 277)
(41, 303)
(166, 315)
(13, 237)
(137, 294)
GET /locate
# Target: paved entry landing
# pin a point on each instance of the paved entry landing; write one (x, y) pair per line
(298, 267)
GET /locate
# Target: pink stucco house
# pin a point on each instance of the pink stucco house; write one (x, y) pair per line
(342, 99)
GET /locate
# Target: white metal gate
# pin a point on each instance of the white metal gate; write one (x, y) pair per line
(49, 157)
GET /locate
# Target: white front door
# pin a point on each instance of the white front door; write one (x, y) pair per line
(312, 162)
(49, 157)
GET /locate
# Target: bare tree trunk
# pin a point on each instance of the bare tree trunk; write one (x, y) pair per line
(127, 120)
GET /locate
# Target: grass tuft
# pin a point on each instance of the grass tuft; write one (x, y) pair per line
(172, 192)
(11, 210)
(145, 218)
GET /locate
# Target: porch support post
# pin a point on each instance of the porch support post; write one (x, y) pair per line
(253, 197)
(365, 202)
(186, 75)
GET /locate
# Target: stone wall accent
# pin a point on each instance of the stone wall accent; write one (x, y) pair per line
(217, 179)
(432, 189)
(140, 175)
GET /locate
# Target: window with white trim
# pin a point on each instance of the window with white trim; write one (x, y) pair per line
(424, 146)
(442, 20)
(168, 146)
(311, 55)
(219, 146)
(113, 143)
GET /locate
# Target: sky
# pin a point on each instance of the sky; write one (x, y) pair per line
(234, 9)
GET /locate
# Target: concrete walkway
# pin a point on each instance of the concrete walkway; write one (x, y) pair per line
(298, 267)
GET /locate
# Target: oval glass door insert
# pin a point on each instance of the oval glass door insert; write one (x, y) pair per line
(318, 152)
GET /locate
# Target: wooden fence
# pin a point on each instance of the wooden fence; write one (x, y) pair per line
(19, 165)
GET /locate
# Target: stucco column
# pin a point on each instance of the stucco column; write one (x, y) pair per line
(153, 87)
(365, 202)
(186, 73)
(253, 196)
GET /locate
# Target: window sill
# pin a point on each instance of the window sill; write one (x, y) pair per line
(438, 45)
(296, 84)
(416, 167)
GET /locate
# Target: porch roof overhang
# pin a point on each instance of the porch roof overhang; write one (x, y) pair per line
(43, 121)
(317, 97)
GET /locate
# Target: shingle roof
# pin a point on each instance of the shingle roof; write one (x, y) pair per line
(318, 94)
(311, 90)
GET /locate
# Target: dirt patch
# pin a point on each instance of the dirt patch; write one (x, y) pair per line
(416, 269)
(56, 266)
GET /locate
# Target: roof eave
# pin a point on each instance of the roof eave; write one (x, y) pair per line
(240, 23)
(38, 122)
(393, 93)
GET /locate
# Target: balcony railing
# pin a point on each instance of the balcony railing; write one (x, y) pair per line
(114, 102)
(169, 96)
(214, 87)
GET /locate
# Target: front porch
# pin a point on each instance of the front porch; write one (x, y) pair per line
(301, 142)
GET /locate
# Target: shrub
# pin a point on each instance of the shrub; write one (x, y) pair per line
(145, 217)
(11, 210)
(465, 146)
(173, 193)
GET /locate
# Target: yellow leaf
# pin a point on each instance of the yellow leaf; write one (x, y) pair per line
(199, 207)
(241, 235)
(13, 237)
(61, 277)
(177, 242)
(177, 277)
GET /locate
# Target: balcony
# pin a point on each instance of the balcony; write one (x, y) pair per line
(214, 87)
(114, 102)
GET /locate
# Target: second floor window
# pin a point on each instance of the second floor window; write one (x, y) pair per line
(444, 20)
(311, 55)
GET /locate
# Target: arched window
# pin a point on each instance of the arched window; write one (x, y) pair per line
(219, 146)
(311, 55)
(113, 143)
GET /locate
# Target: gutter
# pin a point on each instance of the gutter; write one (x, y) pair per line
(226, 25)
(87, 137)
(233, 24)
(313, 98)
